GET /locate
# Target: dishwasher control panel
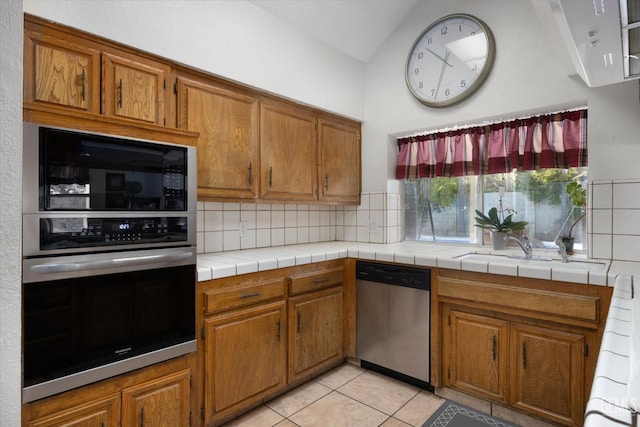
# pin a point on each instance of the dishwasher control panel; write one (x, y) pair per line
(411, 277)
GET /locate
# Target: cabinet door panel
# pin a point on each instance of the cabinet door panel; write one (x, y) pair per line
(339, 171)
(548, 373)
(134, 88)
(61, 72)
(228, 143)
(315, 331)
(100, 413)
(244, 357)
(479, 354)
(163, 402)
(288, 151)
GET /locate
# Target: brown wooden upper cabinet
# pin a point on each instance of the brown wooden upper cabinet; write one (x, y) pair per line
(227, 121)
(133, 87)
(64, 68)
(339, 161)
(61, 72)
(288, 153)
(252, 146)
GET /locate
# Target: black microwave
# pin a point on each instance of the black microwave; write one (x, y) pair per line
(70, 170)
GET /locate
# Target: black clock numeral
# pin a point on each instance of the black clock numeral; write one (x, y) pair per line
(473, 33)
(447, 92)
(416, 71)
(475, 68)
(444, 30)
(433, 93)
(420, 55)
(463, 83)
(420, 85)
(429, 40)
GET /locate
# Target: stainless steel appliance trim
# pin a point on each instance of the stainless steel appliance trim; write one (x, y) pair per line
(62, 267)
(65, 267)
(58, 385)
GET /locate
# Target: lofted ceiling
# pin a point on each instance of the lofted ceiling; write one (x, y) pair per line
(591, 29)
(355, 27)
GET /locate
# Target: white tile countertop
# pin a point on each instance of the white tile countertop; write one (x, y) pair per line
(481, 259)
(609, 401)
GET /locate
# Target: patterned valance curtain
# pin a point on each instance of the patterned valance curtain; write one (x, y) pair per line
(556, 140)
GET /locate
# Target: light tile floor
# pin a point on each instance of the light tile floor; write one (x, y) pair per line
(346, 396)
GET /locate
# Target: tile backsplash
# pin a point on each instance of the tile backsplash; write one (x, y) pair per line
(614, 220)
(233, 226)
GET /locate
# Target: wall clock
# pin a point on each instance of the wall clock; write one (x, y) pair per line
(450, 60)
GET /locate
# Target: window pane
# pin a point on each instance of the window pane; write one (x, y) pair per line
(553, 213)
(437, 209)
(443, 209)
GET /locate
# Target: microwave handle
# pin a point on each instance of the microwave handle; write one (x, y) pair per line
(111, 263)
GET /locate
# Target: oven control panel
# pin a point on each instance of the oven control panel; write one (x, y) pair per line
(84, 232)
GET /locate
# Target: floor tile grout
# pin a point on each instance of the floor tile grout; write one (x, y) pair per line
(351, 376)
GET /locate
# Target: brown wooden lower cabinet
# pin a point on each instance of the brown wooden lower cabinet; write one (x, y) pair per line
(266, 332)
(156, 396)
(161, 402)
(548, 373)
(245, 358)
(479, 354)
(527, 344)
(315, 332)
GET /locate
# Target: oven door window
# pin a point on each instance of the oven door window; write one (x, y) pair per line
(74, 325)
(101, 173)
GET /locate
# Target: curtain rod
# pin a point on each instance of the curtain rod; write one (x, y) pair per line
(488, 122)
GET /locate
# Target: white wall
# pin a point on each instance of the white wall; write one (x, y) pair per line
(230, 38)
(529, 76)
(10, 209)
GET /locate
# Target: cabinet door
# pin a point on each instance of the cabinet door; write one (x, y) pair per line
(61, 72)
(103, 412)
(315, 332)
(547, 367)
(339, 169)
(133, 87)
(288, 153)
(478, 359)
(228, 143)
(163, 402)
(245, 358)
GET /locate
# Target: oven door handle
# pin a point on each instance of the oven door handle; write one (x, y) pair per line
(109, 263)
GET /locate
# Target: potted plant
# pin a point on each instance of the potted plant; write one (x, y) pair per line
(498, 224)
(578, 197)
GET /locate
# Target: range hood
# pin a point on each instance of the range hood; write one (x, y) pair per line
(603, 38)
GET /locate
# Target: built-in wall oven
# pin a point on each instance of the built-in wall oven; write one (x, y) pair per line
(109, 256)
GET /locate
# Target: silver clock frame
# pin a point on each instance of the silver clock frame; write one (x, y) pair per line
(486, 70)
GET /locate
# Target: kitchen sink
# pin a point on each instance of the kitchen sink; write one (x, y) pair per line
(540, 261)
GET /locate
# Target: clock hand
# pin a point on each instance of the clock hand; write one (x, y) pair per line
(444, 62)
(440, 57)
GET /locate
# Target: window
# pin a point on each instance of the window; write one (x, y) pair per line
(443, 209)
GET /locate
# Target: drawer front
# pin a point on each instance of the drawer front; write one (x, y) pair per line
(317, 280)
(217, 300)
(531, 300)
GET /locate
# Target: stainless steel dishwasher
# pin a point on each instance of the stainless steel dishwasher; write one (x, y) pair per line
(393, 321)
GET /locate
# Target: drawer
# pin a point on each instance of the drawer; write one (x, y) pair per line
(321, 279)
(559, 304)
(218, 300)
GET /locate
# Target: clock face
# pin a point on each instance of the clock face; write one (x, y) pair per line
(450, 60)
